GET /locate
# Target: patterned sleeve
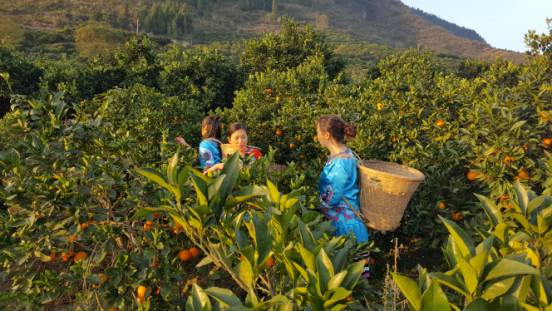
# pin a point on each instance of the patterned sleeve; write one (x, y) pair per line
(337, 177)
(209, 154)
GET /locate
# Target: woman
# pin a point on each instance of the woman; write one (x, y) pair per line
(338, 184)
(237, 142)
(237, 137)
(209, 148)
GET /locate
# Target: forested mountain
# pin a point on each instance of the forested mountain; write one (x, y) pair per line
(64, 25)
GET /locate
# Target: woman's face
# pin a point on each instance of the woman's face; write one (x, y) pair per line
(322, 137)
(238, 140)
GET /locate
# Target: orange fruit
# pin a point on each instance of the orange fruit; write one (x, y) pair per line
(457, 216)
(103, 278)
(472, 175)
(83, 226)
(442, 205)
(279, 132)
(379, 106)
(546, 142)
(503, 197)
(291, 146)
(65, 256)
(268, 91)
(52, 255)
(177, 228)
(194, 251)
(523, 175)
(156, 215)
(148, 225)
(73, 238)
(440, 123)
(507, 160)
(80, 256)
(184, 255)
(270, 262)
(141, 291)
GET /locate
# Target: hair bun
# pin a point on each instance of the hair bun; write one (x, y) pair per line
(350, 130)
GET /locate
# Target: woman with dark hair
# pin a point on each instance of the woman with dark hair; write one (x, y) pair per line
(237, 138)
(209, 148)
(339, 183)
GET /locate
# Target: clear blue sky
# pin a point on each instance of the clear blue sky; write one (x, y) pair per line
(502, 23)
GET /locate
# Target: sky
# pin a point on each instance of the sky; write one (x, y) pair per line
(502, 23)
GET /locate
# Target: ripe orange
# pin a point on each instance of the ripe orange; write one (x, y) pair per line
(177, 228)
(472, 175)
(292, 145)
(194, 251)
(148, 225)
(440, 123)
(141, 291)
(102, 277)
(83, 226)
(73, 238)
(184, 255)
(80, 256)
(279, 132)
(523, 175)
(546, 142)
(270, 262)
(507, 160)
(442, 205)
(65, 256)
(457, 216)
(503, 197)
(156, 215)
(268, 91)
(52, 255)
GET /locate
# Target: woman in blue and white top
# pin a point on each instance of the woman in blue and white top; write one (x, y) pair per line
(339, 180)
(210, 153)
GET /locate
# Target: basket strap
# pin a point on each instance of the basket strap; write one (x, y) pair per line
(357, 213)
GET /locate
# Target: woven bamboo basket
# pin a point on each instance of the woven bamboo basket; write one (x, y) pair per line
(386, 189)
(227, 150)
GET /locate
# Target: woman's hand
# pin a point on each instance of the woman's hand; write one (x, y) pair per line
(214, 168)
(181, 141)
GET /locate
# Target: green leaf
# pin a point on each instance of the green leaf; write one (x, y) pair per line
(492, 211)
(410, 290)
(198, 300)
(469, 275)
(448, 281)
(353, 275)
(201, 189)
(225, 296)
(507, 267)
(336, 280)
(245, 272)
(155, 176)
(479, 261)
(308, 258)
(263, 240)
(172, 169)
(535, 203)
(339, 294)
(522, 196)
(205, 261)
(434, 299)
(479, 305)
(497, 288)
(325, 270)
(462, 240)
(274, 194)
(232, 171)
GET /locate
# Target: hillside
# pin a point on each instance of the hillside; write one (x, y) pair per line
(382, 22)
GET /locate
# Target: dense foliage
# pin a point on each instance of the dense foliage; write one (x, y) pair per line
(100, 209)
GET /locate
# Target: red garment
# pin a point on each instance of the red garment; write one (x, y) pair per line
(252, 151)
